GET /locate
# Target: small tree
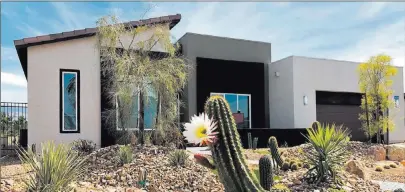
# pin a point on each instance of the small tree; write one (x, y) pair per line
(375, 81)
(134, 73)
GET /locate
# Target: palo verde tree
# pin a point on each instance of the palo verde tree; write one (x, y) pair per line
(375, 81)
(135, 71)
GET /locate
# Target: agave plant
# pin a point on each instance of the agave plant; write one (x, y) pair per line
(329, 144)
(54, 169)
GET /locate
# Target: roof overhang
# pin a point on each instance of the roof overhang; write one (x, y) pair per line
(21, 45)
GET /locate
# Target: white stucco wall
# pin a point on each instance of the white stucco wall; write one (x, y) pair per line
(310, 74)
(281, 99)
(206, 46)
(44, 63)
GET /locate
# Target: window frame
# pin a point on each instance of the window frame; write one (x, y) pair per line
(137, 122)
(61, 100)
(237, 103)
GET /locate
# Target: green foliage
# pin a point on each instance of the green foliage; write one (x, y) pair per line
(227, 151)
(335, 190)
(393, 165)
(273, 145)
(280, 188)
(126, 154)
(53, 170)
(379, 169)
(134, 74)
(266, 172)
(375, 80)
(83, 147)
(328, 152)
(178, 157)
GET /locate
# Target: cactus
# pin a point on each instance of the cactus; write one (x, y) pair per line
(250, 140)
(266, 174)
(142, 178)
(227, 153)
(255, 140)
(274, 151)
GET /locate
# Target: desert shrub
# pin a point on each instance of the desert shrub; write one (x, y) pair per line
(379, 169)
(54, 169)
(397, 163)
(280, 188)
(178, 157)
(387, 167)
(285, 166)
(125, 153)
(83, 146)
(393, 165)
(399, 190)
(294, 167)
(328, 152)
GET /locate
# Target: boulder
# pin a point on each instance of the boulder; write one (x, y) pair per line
(357, 168)
(396, 152)
(378, 152)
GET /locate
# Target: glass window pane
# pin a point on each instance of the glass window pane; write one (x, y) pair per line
(243, 101)
(231, 98)
(69, 101)
(150, 109)
(128, 113)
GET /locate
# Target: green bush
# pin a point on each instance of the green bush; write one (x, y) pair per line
(125, 153)
(379, 169)
(393, 165)
(178, 157)
(387, 167)
(83, 147)
(54, 169)
(328, 152)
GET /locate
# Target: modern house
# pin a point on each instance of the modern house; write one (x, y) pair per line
(280, 98)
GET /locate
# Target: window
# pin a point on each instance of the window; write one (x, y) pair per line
(240, 107)
(69, 101)
(128, 115)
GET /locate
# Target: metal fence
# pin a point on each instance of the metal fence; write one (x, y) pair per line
(13, 125)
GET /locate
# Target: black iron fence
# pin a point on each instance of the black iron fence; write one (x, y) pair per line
(13, 125)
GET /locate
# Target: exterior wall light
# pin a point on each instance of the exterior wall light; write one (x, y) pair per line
(277, 74)
(305, 100)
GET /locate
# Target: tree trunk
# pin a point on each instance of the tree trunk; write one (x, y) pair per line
(141, 118)
(367, 119)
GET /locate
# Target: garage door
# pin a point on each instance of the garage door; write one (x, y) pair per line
(342, 114)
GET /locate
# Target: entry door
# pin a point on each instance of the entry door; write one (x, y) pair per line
(240, 105)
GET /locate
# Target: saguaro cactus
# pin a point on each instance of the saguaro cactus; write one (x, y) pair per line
(266, 174)
(274, 151)
(227, 151)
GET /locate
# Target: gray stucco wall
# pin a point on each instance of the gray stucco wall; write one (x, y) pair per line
(281, 97)
(206, 46)
(311, 74)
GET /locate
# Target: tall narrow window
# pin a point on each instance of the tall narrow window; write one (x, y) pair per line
(240, 107)
(69, 101)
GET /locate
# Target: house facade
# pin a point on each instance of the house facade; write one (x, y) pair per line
(65, 91)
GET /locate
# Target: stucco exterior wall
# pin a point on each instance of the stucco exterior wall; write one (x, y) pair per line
(206, 46)
(281, 99)
(44, 63)
(310, 75)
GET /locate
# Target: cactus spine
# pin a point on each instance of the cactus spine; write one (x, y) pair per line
(274, 151)
(227, 152)
(266, 174)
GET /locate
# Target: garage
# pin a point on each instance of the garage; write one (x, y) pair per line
(340, 108)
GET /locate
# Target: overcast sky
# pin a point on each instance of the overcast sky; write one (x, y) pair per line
(350, 31)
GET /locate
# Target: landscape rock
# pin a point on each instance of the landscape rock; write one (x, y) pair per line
(396, 152)
(357, 168)
(378, 152)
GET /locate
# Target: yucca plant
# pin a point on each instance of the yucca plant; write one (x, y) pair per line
(54, 169)
(178, 157)
(329, 144)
